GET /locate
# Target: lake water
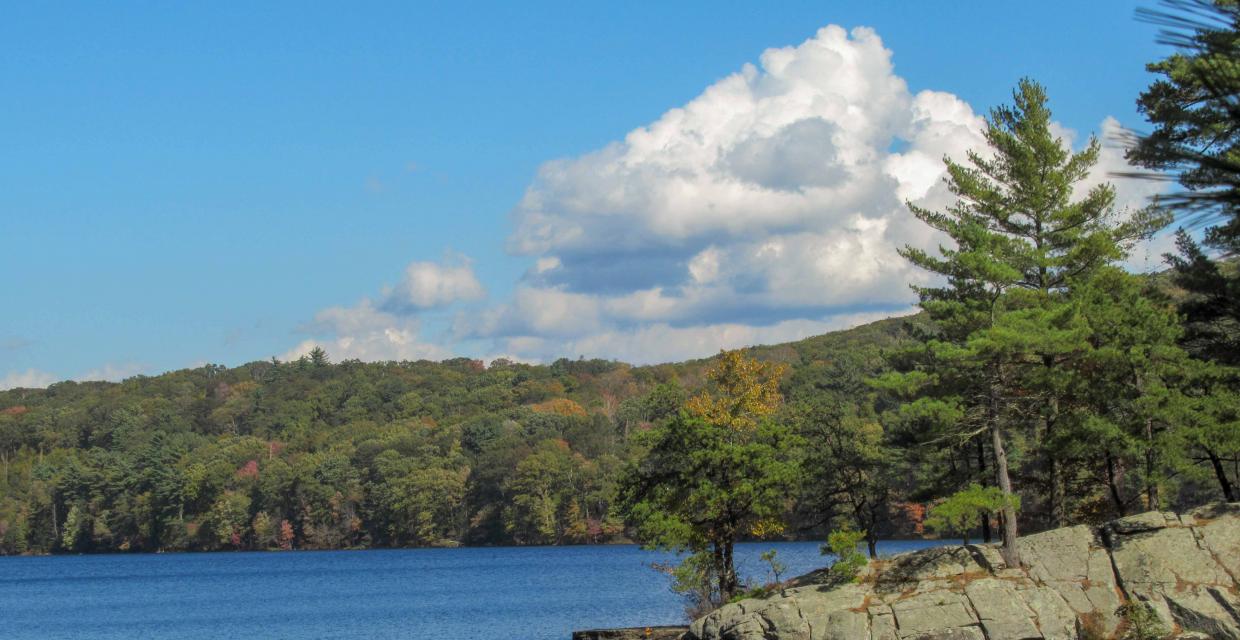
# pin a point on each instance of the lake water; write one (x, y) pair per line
(525, 593)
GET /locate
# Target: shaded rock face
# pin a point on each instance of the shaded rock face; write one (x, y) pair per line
(1073, 585)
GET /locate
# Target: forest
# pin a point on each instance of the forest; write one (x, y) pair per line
(317, 455)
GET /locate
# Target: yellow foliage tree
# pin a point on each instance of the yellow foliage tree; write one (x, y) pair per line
(559, 406)
(742, 391)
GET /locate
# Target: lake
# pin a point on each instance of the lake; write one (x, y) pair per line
(501, 593)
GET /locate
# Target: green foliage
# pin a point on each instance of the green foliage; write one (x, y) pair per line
(850, 467)
(696, 579)
(848, 560)
(352, 454)
(962, 511)
(706, 481)
(1192, 105)
(1001, 379)
(1142, 623)
(310, 454)
(702, 485)
(777, 568)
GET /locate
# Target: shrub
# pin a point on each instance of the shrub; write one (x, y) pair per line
(1142, 623)
(848, 560)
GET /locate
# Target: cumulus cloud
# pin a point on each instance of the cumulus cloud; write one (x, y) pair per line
(28, 379)
(363, 332)
(661, 342)
(392, 328)
(389, 343)
(113, 372)
(800, 145)
(426, 285)
(1131, 194)
(770, 206)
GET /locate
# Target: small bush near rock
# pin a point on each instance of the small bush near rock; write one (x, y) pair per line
(848, 560)
(1142, 623)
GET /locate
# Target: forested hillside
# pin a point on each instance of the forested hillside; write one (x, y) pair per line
(315, 454)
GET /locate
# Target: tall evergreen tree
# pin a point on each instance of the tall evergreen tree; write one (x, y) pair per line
(1194, 105)
(1019, 239)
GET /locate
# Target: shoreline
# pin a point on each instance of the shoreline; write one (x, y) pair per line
(428, 547)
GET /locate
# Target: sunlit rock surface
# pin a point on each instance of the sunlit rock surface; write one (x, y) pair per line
(1073, 585)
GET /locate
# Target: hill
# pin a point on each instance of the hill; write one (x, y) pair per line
(311, 454)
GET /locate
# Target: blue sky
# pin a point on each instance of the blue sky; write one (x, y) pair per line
(224, 183)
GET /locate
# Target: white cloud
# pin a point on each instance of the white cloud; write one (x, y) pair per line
(28, 379)
(768, 208)
(388, 343)
(776, 193)
(660, 342)
(363, 332)
(534, 311)
(1131, 194)
(427, 285)
(112, 372)
(392, 330)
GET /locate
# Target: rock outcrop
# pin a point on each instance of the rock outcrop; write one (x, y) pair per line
(1075, 583)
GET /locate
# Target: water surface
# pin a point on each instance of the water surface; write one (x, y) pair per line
(507, 593)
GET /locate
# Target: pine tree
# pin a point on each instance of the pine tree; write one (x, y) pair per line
(1194, 105)
(1143, 401)
(1003, 313)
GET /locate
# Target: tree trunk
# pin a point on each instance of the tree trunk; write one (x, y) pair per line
(1059, 517)
(1220, 472)
(981, 469)
(1112, 484)
(1151, 485)
(728, 583)
(871, 544)
(1010, 554)
(1054, 469)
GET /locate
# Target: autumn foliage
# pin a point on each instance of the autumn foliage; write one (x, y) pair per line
(743, 390)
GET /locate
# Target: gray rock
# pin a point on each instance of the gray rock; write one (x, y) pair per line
(1002, 612)
(964, 633)
(844, 624)
(1203, 610)
(1148, 521)
(1185, 567)
(1218, 529)
(882, 624)
(1055, 619)
(932, 611)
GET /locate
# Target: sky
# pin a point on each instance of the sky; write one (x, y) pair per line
(223, 182)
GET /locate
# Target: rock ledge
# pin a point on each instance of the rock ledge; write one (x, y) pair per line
(1073, 585)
